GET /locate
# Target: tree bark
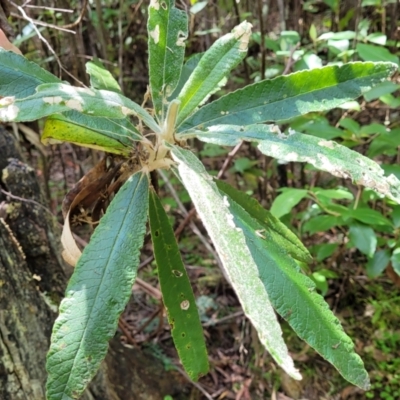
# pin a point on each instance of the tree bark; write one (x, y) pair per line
(32, 283)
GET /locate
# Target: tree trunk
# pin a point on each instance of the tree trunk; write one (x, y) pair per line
(32, 283)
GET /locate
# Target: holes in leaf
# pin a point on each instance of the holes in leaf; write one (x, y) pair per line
(177, 273)
(164, 5)
(157, 233)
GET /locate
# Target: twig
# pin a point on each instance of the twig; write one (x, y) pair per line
(223, 319)
(125, 331)
(79, 19)
(45, 24)
(228, 159)
(290, 61)
(26, 201)
(29, 19)
(66, 10)
(195, 384)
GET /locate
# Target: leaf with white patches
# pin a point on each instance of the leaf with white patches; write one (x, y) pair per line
(230, 243)
(54, 98)
(167, 27)
(213, 68)
(325, 155)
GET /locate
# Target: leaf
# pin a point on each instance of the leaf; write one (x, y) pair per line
(71, 252)
(369, 52)
(294, 298)
(291, 95)
(187, 70)
(98, 292)
(107, 134)
(51, 98)
(368, 216)
(20, 77)
(235, 256)
(284, 203)
(323, 154)
(363, 238)
(167, 27)
(178, 297)
(378, 263)
(321, 223)
(216, 63)
(272, 229)
(337, 194)
(395, 259)
(100, 77)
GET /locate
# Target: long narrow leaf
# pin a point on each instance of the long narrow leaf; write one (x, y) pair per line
(323, 154)
(54, 98)
(293, 296)
(107, 134)
(167, 27)
(98, 292)
(334, 158)
(177, 293)
(238, 263)
(187, 70)
(271, 228)
(288, 96)
(20, 77)
(212, 69)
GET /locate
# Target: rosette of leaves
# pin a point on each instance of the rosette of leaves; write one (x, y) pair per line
(259, 254)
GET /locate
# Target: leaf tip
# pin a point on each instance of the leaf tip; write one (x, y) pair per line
(243, 32)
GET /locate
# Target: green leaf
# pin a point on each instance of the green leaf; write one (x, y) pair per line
(323, 154)
(178, 297)
(187, 70)
(368, 216)
(380, 90)
(336, 194)
(235, 256)
(107, 134)
(395, 259)
(324, 250)
(100, 77)
(272, 229)
(167, 27)
(284, 203)
(291, 95)
(321, 223)
(364, 239)
(369, 52)
(396, 216)
(97, 292)
(51, 98)
(378, 263)
(20, 77)
(213, 67)
(294, 298)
